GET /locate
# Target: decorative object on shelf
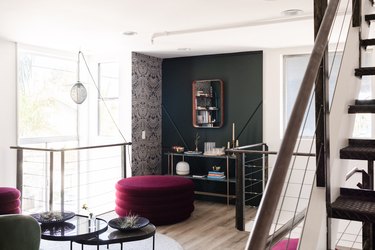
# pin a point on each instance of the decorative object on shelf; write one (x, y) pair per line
(52, 217)
(182, 168)
(199, 176)
(178, 149)
(215, 152)
(208, 147)
(216, 168)
(128, 223)
(208, 110)
(196, 142)
(193, 152)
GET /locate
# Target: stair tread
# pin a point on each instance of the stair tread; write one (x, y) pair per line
(365, 102)
(361, 108)
(358, 153)
(364, 142)
(365, 71)
(367, 42)
(354, 204)
(350, 208)
(370, 17)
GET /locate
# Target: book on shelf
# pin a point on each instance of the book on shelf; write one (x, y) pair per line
(216, 177)
(216, 172)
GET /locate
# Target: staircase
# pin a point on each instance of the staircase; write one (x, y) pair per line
(353, 203)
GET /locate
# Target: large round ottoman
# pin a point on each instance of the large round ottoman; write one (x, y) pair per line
(161, 199)
(10, 200)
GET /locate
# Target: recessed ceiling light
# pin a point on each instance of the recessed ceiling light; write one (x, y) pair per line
(184, 49)
(292, 12)
(129, 33)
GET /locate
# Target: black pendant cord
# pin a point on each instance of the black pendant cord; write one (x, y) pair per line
(174, 125)
(250, 118)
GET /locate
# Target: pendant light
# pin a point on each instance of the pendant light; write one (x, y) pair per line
(78, 92)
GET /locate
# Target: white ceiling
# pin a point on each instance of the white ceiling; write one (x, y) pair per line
(97, 25)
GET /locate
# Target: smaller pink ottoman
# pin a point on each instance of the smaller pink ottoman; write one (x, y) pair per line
(161, 199)
(10, 200)
(285, 245)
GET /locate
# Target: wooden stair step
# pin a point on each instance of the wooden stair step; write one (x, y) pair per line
(365, 71)
(354, 204)
(367, 42)
(359, 149)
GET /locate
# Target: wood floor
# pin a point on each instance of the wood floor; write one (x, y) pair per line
(211, 226)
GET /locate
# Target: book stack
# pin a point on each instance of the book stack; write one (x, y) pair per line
(215, 175)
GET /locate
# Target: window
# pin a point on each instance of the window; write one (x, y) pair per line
(44, 105)
(49, 118)
(108, 101)
(294, 70)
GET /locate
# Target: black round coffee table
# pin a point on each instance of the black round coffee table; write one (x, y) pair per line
(112, 236)
(78, 227)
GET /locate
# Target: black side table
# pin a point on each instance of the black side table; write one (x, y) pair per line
(112, 236)
(78, 227)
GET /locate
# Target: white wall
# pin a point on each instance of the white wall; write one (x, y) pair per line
(8, 104)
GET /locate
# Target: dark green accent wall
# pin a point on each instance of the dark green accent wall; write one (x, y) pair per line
(242, 76)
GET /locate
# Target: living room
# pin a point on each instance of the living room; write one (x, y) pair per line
(246, 45)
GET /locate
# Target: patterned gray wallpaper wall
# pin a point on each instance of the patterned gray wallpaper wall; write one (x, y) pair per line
(146, 114)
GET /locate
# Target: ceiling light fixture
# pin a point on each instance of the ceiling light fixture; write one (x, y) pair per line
(78, 92)
(129, 33)
(184, 49)
(291, 12)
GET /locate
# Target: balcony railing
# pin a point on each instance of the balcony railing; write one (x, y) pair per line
(66, 178)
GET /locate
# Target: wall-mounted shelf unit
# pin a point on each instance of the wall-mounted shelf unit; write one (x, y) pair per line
(208, 110)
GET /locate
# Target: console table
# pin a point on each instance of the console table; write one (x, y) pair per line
(171, 166)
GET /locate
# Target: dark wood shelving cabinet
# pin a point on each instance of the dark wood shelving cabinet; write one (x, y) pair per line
(208, 110)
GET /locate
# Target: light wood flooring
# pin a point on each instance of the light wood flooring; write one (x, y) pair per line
(211, 226)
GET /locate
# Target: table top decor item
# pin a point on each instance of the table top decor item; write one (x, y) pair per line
(128, 223)
(52, 217)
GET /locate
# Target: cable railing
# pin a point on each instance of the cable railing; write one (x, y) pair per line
(243, 175)
(66, 178)
(269, 204)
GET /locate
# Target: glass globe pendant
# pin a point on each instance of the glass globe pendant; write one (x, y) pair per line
(78, 93)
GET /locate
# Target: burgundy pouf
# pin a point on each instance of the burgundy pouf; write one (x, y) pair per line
(287, 244)
(10, 200)
(161, 199)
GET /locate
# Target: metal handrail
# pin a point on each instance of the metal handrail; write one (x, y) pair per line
(266, 152)
(268, 205)
(70, 149)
